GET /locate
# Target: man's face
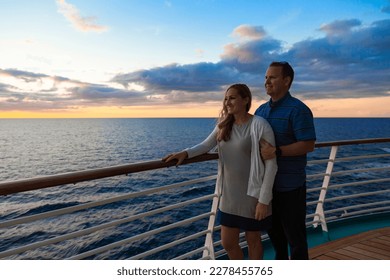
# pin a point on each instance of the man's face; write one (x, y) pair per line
(275, 84)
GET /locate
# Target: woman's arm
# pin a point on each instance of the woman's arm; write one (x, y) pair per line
(209, 143)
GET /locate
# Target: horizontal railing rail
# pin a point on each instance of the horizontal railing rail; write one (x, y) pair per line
(22, 185)
(140, 236)
(352, 142)
(93, 229)
(102, 202)
(324, 212)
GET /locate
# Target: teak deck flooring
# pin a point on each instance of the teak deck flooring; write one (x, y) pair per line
(370, 245)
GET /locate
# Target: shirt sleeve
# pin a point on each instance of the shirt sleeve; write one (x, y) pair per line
(207, 145)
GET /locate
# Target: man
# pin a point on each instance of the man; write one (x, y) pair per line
(292, 123)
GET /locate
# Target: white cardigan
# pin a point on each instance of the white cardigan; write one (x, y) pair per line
(262, 174)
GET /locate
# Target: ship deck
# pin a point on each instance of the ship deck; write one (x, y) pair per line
(370, 245)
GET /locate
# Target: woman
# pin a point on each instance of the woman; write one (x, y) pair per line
(244, 180)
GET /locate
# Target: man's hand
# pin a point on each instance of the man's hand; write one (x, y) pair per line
(267, 151)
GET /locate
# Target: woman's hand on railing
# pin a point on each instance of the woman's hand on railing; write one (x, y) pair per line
(180, 157)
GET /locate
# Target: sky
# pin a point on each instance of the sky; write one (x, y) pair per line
(175, 58)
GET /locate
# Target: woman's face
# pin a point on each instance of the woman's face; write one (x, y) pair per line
(234, 103)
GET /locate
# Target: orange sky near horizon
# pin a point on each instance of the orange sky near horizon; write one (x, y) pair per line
(322, 108)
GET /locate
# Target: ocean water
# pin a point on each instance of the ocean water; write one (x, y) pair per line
(38, 147)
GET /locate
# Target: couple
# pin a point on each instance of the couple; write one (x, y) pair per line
(283, 130)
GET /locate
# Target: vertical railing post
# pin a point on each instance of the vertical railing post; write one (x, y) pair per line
(209, 242)
(319, 216)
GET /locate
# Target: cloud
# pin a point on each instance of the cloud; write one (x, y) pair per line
(240, 62)
(350, 60)
(340, 27)
(23, 90)
(386, 9)
(352, 65)
(251, 56)
(72, 14)
(249, 32)
(199, 52)
(191, 77)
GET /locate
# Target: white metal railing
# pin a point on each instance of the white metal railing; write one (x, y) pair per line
(93, 229)
(320, 182)
(320, 214)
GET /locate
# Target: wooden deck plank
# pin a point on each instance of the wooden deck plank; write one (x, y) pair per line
(325, 257)
(336, 244)
(369, 245)
(340, 255)
(380, 248)
(365, 253)
(382, 242)
(354, 255)
(386, 238)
